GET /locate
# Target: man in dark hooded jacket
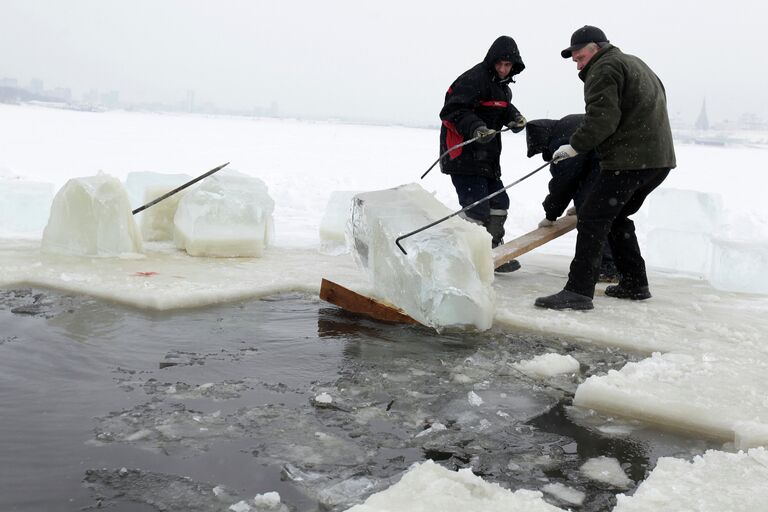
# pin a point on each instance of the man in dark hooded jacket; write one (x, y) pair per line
(572, 178)
(628, 124)
(478, 104)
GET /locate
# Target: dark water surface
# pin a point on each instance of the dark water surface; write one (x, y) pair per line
(106, 407)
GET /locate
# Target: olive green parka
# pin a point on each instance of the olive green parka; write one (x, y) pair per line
(626, 113)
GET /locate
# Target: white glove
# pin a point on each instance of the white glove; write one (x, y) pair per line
(571, 211)
(545, 223)
(563, 152)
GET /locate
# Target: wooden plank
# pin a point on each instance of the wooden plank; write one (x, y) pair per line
(532, 240)
(358, 303)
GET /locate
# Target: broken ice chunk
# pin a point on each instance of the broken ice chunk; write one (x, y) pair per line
(445, 279)
(24, 205)
(547, 365)
(157, 220)
(229, 215)
(91, 217)
(334, 223)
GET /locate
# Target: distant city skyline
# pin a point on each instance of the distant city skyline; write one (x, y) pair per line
(375, 62)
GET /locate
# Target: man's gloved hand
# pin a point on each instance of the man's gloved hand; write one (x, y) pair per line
(563, 152)
(545, 223)
(517, 124)
(571, 211)
(485, 134)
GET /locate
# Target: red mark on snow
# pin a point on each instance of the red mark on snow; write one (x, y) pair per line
(145, 274)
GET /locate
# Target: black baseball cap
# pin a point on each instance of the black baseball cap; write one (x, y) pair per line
(582, 37)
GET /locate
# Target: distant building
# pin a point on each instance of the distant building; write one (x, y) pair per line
(36, 86)
(702, 123)
(61, 93)
(110, 99)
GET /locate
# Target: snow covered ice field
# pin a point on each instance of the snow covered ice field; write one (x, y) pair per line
(676, 375)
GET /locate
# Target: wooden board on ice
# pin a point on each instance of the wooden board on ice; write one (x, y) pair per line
(358, 303)
(532, 240)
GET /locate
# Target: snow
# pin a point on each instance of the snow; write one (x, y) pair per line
(703, 334)
(428, 486)
(713, 482)
(445, 278)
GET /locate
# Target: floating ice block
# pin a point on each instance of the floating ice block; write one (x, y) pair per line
(24, 205)
(333, 226)
(228, 215)
(91, 217)
(446, 278)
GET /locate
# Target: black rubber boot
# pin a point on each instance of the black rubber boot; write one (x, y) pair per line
(565, 300)
(617, 291)
(509, 266)
(495, 227)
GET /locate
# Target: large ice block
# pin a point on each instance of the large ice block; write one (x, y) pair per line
(684, 210)
(446, 278)
(739, 266)
(24, 205)
(228, 215)
(688, 252)
(157, 220)
(138, 184)
(92, 217)
(333, 226)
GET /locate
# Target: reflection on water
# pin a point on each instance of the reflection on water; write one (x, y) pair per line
(198, 409)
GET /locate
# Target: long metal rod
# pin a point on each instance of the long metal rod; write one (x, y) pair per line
(457, 146)
(178, 189)
(486, 198)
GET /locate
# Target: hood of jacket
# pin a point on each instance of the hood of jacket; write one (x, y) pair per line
(504, 48)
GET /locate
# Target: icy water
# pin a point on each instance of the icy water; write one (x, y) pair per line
(103, 406)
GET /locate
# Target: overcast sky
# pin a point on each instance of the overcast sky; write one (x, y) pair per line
(388, 61)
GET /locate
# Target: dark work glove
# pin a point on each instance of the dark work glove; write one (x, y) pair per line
(517, 124)
(485, 134)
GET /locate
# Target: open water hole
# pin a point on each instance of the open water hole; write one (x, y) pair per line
(108, 407)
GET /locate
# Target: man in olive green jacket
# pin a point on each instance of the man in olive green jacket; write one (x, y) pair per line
(627, 123)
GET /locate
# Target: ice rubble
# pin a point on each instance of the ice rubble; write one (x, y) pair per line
(446, 278)
(427, 487)
(228, 215)
(24, 205)
(333, 225)
(91, 216)
(714, 482)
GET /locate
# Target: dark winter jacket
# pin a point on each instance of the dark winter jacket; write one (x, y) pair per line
(479, 98)
(626, 113)
(572, 178)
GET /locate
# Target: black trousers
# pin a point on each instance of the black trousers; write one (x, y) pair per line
(615, 196)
